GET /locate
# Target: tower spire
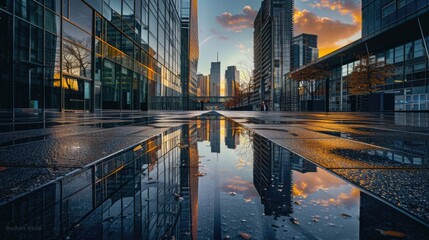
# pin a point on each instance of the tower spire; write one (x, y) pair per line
(217, 57)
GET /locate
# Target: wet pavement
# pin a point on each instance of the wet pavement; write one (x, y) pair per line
(198, 175)
(385, 154)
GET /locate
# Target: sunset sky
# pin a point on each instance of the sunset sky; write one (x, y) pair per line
(226, 26)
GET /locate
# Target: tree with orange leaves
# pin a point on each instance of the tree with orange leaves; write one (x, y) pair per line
(368, 75)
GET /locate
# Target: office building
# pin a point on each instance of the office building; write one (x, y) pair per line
(189, 53)
(273, 31)
(203, 85)
(392, 32)
(215, 79)
(304, 52)
(232, 81)
(86, 55)
(304, 49)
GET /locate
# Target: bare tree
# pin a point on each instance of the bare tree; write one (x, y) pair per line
(368, 75)
(310, 79)
(245, 66)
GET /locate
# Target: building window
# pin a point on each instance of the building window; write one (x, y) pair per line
(399, 54)
(418, 48)
(409, 51)
(388, 9)
(403, 3)
(389, 56)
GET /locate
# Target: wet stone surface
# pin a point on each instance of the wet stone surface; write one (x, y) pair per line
(156, 175)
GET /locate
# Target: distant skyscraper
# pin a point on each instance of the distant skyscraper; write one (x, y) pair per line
(189, 53)
(203, 85)
(232, 79)
(273, 31)
(215, 79)
(304, 49)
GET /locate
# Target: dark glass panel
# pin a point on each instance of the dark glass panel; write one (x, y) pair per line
(52, 22)
(126, 77)
(6, 58)
(36, 45)
(76, 35)
(96, 4)
(22, 38)
(116, 5)
(52, 59)
(54, 5)
(30, 11)
(110, 87)
(81, 14)
(6, 5)
(21, 86)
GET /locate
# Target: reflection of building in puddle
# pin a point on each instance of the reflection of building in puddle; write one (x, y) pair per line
(131, 195)
(232, 138)
(301, 165)
(272, 176)
(189, 182)
(377, 220)
(203, 127)
(215, 134)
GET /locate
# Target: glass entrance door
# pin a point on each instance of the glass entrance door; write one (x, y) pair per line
(77, 93)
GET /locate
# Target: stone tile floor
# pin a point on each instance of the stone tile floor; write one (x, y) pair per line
(385, 154)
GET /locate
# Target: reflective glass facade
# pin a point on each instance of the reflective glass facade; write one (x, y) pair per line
(409, 83)
(380, 14)
(89, 55)
(273, 31)
(190, 53)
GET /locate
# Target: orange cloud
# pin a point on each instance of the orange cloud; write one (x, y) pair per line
(332, 34)
(342, 6)
(309, 183)
(238, 22)
(344, 199)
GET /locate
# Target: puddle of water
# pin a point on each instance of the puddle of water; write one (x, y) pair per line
(208, 180)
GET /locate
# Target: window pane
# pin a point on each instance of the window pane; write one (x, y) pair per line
(76, 35)
(6, 58)
(81, 14)
(52, 22)
(76, 60)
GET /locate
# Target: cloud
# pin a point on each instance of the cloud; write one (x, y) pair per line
(238, 22)
(344, 7)
(309, 183)
(347, 200)
(243, 48)
(332, 34)
(240, 186)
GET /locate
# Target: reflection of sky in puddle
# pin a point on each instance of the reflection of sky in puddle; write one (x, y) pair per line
(270, 193)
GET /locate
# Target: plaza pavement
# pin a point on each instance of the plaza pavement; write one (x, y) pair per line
(384, 154)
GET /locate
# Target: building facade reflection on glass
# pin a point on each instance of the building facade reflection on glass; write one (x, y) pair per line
(90, 55)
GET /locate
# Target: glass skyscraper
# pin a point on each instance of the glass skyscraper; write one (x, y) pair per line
(89, 55)
(273, 31)
(190, 53)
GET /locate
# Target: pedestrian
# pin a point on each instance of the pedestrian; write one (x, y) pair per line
(263, 106)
